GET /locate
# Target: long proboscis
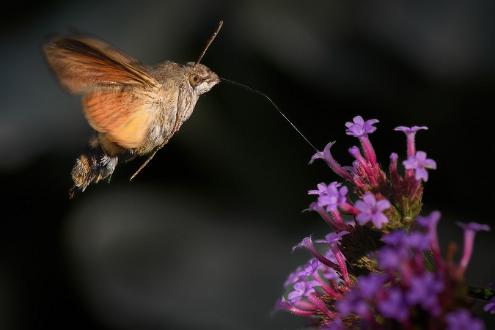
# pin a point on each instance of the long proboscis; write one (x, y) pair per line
(253, 90)
(209, 42)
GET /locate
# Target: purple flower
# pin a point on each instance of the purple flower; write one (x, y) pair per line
(326, 155)
(307, 243)
(333, 240)
(330, 255)
(470, 230)
(328, 273)
(409, 130)
(310, 267)
(394, 305)
(410, 134)
(417, 240)
(359, 127)
(293, 277)
(370, 285)
(473, 226)
(412, 240)
(424, 291)
(357, 300)
(398, 244)
(302, 272)
(353, 303)
(391, 258)
(395, 238)
(280, 305)
(305, 309)
(333, 237)
(430, 220)
(490, 307)
(365, 166)
(420, 163)
(372, 210)
(299, 291)
(392, 168)
(356, 153)
(330, 196)
(461, 320)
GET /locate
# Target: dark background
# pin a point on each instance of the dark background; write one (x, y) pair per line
(202, 238)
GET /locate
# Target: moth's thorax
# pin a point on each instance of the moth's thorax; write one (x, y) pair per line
(180, 88)
(166, 71)
(177, 96)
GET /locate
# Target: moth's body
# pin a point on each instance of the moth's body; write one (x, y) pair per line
(134, 109)
(171, 104)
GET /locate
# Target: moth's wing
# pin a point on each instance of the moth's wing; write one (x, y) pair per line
(83, 63)
(123, 116)
(117, 90)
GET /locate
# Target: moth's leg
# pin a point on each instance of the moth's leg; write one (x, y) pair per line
(147, 160)
(144, 164)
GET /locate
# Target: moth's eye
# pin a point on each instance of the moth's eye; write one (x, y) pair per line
(194, 80)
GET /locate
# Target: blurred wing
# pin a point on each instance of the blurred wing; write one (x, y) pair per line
(124, 116)
(118, 90)
(84, 63)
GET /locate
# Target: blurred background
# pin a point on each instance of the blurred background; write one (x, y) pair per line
(202, 238)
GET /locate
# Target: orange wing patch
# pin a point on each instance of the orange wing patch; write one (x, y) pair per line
(124, 117)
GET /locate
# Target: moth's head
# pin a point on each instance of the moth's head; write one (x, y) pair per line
(201, 78)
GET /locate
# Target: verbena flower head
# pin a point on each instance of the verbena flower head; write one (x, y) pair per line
(381, 265)
(406, 290)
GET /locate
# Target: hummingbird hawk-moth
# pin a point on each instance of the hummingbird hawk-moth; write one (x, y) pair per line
(134, 109)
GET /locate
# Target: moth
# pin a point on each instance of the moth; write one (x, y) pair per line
(134, 109)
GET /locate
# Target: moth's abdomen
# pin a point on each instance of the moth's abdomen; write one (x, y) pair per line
(92, 166)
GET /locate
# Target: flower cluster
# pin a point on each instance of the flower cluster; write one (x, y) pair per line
(381, 265)
(406, 291)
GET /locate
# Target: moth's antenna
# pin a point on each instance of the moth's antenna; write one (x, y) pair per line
(208, 43)
(274, 105)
